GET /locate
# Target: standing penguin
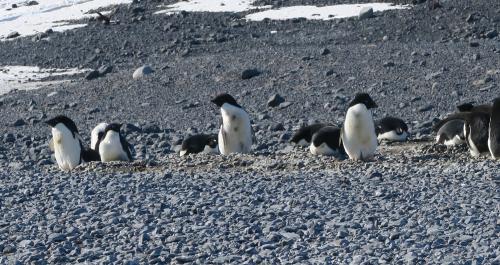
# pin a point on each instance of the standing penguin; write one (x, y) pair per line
(358, 133)
(494, 130)
(235, 134)
(326, 141)
(304, 135)
(199, 143)
(96, 134)
(392, 129)
(68, 145)
(113, 146)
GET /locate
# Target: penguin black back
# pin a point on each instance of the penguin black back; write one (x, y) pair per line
(306, 133)
(363, 98)
(388, 124)
(329, 135)
(196, 143)
(223, 98)
(494, 130)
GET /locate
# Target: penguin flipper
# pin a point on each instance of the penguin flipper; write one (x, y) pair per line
(90, 155)
(126, 146)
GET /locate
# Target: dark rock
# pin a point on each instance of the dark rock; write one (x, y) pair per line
(492, 33)
(19, 122)
(389, 64)
(474, 44)
(275, 100)
(325, 51)
(249, 73)
(366, 12)
(92, 75)
(13, 34)
(105, 69)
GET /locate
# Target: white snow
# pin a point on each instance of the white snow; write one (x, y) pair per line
(54, 14)
(323, 12)
(309, 12)
(210, 6)
(29, 77)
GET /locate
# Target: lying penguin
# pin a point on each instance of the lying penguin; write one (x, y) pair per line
(358, 133)
(67, 144)
(235, 134)
(200, 143)
(326, 141)
(391, 129)
(451, 133)
(304, 135)
(113, 146)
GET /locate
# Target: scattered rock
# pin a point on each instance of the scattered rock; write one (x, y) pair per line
(105, 69)
(142, 71)
(366, 12)
(275, 100)
(492, 33)
(249, 73)
(19, 122)
(13, 34)
(92, 75)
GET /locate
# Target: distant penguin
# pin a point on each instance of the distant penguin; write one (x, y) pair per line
(68, 145)
(235, 134)
(494, 130)
(326, 141)
(97, 133)
(476, 125)
(392, 129)
(358, 133)
(113, 146)
(199, 143)
(451, 133)
(304, 135)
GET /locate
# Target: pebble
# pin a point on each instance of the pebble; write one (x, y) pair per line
(142, 72)
(249, 73)
(366, 12)
(275, 100)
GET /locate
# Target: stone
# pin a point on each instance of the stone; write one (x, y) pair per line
(275, 100)
(325, 51)
(142, 72)
(249, 73)
(366, 12)
(92, 75)
(492, 34)
(19, 122)
(13, 34)
(105, 69)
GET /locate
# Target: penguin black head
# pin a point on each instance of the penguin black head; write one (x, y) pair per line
(70, 124)
(363, 98)
(112, 127)
(465, 107)
(212, 140)
(220, 99)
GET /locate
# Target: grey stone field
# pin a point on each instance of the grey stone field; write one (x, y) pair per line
(417, 203)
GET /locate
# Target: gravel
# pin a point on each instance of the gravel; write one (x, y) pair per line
(416, 203)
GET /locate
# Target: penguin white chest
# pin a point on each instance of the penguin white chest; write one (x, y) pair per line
(67, 149)
(358, 134)
(110, 148)
(235, 134)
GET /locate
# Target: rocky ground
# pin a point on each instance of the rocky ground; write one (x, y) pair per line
(417, 203)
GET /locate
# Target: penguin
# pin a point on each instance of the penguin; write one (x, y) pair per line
(303, 135)
(358, 133)
(494, 130)
(68, 145)
(200, 143)
(235, 134)
(476, 125)
(326, 141)
(392, 129)
(451, 133)
(96, 134)
(113, 146)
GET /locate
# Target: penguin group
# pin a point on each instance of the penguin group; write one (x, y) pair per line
(357, 138)
(359, 135)
(107, 143)
(477, 126)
